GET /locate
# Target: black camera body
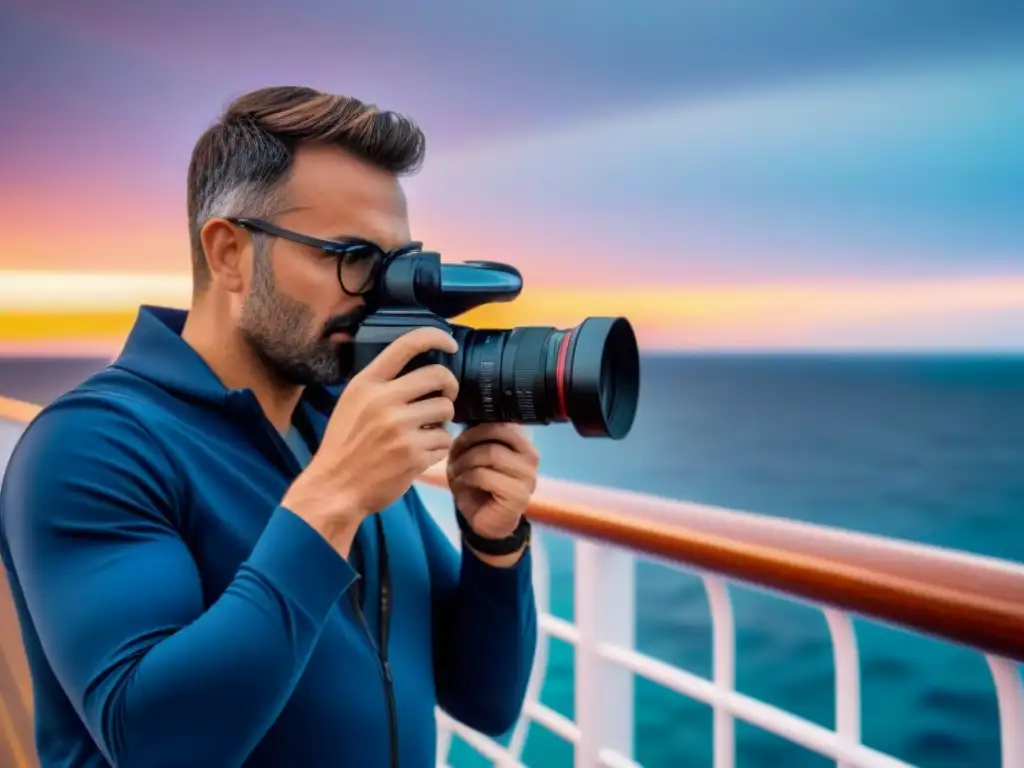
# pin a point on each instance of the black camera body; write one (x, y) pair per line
(417, 290)
(587, 375)
(382, 327)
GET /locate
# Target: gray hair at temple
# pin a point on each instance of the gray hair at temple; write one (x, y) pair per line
(241, 163)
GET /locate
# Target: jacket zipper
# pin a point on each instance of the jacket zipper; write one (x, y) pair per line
(283, 452)
(381, 652)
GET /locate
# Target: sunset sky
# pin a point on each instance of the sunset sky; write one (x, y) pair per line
(731, 175)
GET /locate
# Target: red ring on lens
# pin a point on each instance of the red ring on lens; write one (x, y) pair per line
(563, 357)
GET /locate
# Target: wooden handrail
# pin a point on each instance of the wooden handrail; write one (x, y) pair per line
(966, 599)
(990, 622)
(17, 739)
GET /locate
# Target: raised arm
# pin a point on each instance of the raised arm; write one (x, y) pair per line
(485, 631)
(90, 514)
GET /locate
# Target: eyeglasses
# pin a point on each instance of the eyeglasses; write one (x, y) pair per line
(359, 261)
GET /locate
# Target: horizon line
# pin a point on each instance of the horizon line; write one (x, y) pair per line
(56, 355)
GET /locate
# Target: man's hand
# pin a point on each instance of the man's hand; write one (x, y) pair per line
(492, 472)
(381, 436)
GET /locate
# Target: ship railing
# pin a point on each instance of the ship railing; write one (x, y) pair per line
(17, 748)
(970, 600)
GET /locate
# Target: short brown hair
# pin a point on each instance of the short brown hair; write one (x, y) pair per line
(240, 163)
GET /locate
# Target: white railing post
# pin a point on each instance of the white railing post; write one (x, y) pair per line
(847, 684)
(605, 592)
(1010, 694)
(723, 638)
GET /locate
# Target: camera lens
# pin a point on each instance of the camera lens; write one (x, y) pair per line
(588, 375)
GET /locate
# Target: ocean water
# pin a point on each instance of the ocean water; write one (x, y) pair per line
(924, 448)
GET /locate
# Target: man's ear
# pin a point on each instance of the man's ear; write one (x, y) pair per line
(225, 245)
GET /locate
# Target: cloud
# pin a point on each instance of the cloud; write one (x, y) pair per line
(499, 68)
(908, 173)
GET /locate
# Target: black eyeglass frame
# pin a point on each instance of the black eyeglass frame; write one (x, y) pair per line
(345, 250)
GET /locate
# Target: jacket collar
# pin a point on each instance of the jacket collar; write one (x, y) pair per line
(156, 352)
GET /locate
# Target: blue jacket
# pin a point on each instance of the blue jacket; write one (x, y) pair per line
(175, 615)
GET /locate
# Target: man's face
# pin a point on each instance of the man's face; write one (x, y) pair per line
(295, 315)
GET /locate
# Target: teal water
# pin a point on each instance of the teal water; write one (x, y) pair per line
(928, 449)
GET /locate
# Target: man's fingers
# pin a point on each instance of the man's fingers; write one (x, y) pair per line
(399, 353)
(492, 481)
(425, 381)
(494, 456)
(510, 434)
(430, 412)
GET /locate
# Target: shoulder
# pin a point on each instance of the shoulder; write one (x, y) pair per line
(83, 422)
(111, 416)
(89, 450)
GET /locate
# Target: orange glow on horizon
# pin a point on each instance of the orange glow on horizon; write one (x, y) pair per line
(55, 310)
(758, 310)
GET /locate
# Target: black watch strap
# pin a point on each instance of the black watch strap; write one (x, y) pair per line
(511, 543)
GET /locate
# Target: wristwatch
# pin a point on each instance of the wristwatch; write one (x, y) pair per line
(485, 546)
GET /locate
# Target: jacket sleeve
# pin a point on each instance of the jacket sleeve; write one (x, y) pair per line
(485, 631)
(90, 515)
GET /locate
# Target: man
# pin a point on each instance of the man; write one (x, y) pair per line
(217, 561)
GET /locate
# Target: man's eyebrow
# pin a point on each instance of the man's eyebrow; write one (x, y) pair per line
(345, 237)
